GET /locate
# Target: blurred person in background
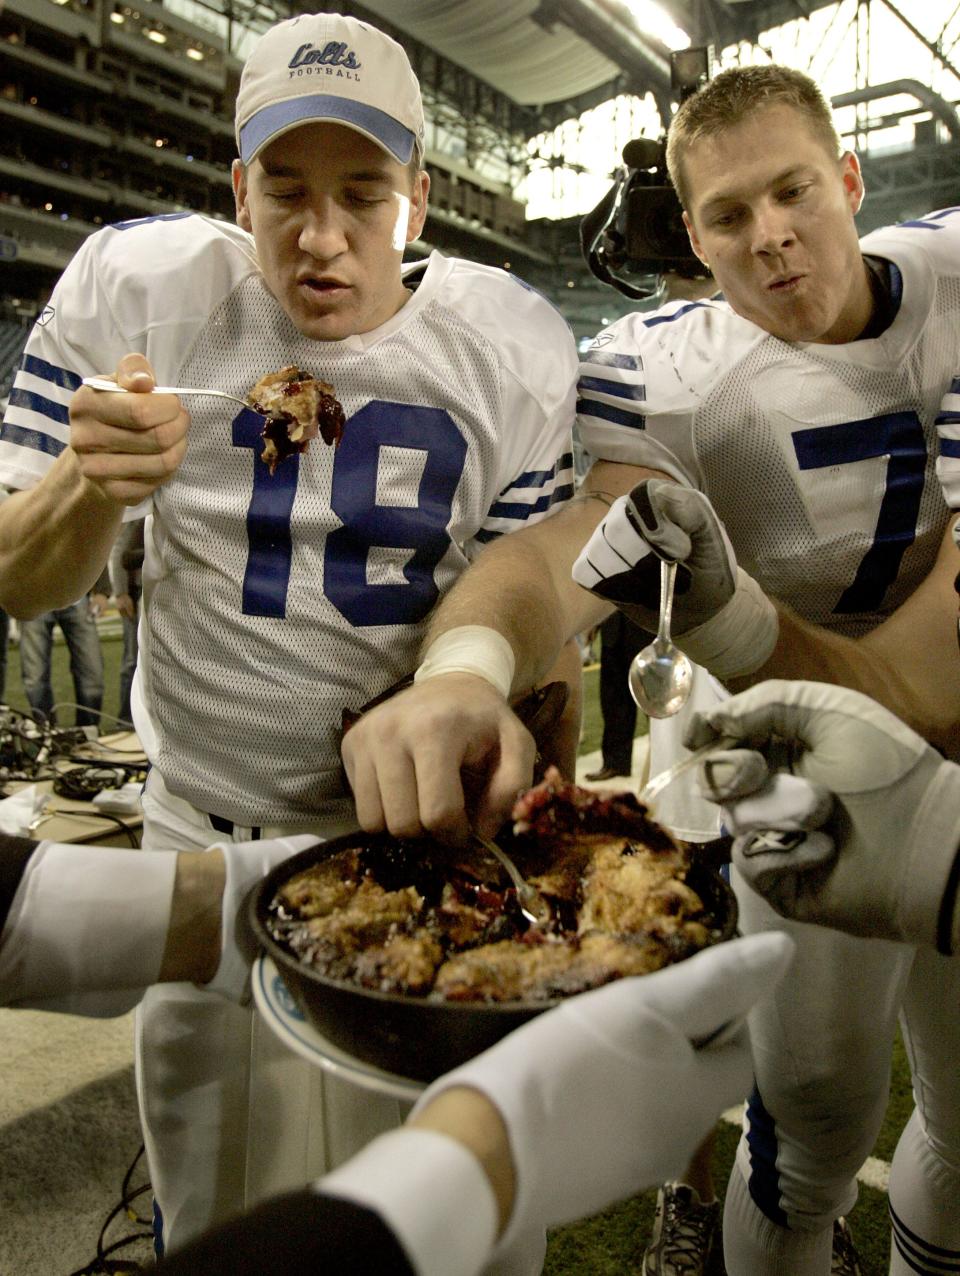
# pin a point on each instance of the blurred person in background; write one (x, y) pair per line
(78, 624)
(620, 640)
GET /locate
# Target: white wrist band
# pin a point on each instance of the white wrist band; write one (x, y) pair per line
(474, 649)
(739, 638)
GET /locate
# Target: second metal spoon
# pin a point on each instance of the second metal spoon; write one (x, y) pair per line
(660, 675)
(102, 383)
(532, 904)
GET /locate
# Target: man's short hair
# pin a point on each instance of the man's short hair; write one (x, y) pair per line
(731, 97)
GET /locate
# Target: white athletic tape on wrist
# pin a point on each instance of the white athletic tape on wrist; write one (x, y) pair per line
(474, 649)
(740, 637)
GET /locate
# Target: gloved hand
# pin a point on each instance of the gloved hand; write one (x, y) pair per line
(246, 864)
(606, 1094)
(885, 863)
(721, 618)
(660, 520)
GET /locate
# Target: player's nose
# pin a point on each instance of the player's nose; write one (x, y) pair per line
(772, 229)
(322, 234)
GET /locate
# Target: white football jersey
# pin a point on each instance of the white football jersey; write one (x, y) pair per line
(272, 602)
(819, 459)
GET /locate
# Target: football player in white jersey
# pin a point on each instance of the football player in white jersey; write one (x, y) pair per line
(802, 405)
(275, 599)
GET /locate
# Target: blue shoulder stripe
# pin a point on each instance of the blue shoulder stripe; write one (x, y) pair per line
(40, 403)
(33, 439)
(537, 478)
(621, 389)
(602, 359)
(950, 447)
(607, 412)
(932, 220)
(520, 512)
(142, 221)
(677, 314)
(50, 372)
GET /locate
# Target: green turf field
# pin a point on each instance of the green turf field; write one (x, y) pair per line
(611, 1244)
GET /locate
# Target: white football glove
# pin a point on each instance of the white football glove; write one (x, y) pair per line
(607, 1093)
(721, 618)
(886, 862)
(246, 864)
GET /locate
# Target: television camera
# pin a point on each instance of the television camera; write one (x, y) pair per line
(636, 233)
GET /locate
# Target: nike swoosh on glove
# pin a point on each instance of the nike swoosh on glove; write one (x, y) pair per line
(775, 820)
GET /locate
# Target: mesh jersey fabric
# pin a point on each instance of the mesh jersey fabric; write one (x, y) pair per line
(820, 459)
(271, 603)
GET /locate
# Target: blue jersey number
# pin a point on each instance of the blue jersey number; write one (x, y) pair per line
(899, 437)
(419, 528)
(267, 575)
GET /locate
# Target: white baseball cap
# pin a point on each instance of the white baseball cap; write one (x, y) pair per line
(326, 66)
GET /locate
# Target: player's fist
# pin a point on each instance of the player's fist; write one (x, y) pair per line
(885, 862)
(721, 617)
(660, 520)
(129, 444)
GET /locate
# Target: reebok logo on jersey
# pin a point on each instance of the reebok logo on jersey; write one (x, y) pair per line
(333, 54)
(46, 314)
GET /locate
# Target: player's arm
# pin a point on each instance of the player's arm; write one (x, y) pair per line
(77, 921)
(56, 537)
(54, 540)
(558, 743)
(909, 663)
(500, 629)
(724, 621)
(522, 586)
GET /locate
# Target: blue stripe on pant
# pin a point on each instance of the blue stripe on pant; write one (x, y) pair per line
(764, 1180)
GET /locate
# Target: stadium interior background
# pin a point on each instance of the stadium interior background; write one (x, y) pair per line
(112, 110)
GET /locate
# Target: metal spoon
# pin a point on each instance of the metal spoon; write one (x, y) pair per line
(532, 904)
(101, 383)
(653, 788)
(660, 675)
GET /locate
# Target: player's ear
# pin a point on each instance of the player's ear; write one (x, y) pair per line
(418, 205)
(852, 180)
(238, 175)
(694, 239)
